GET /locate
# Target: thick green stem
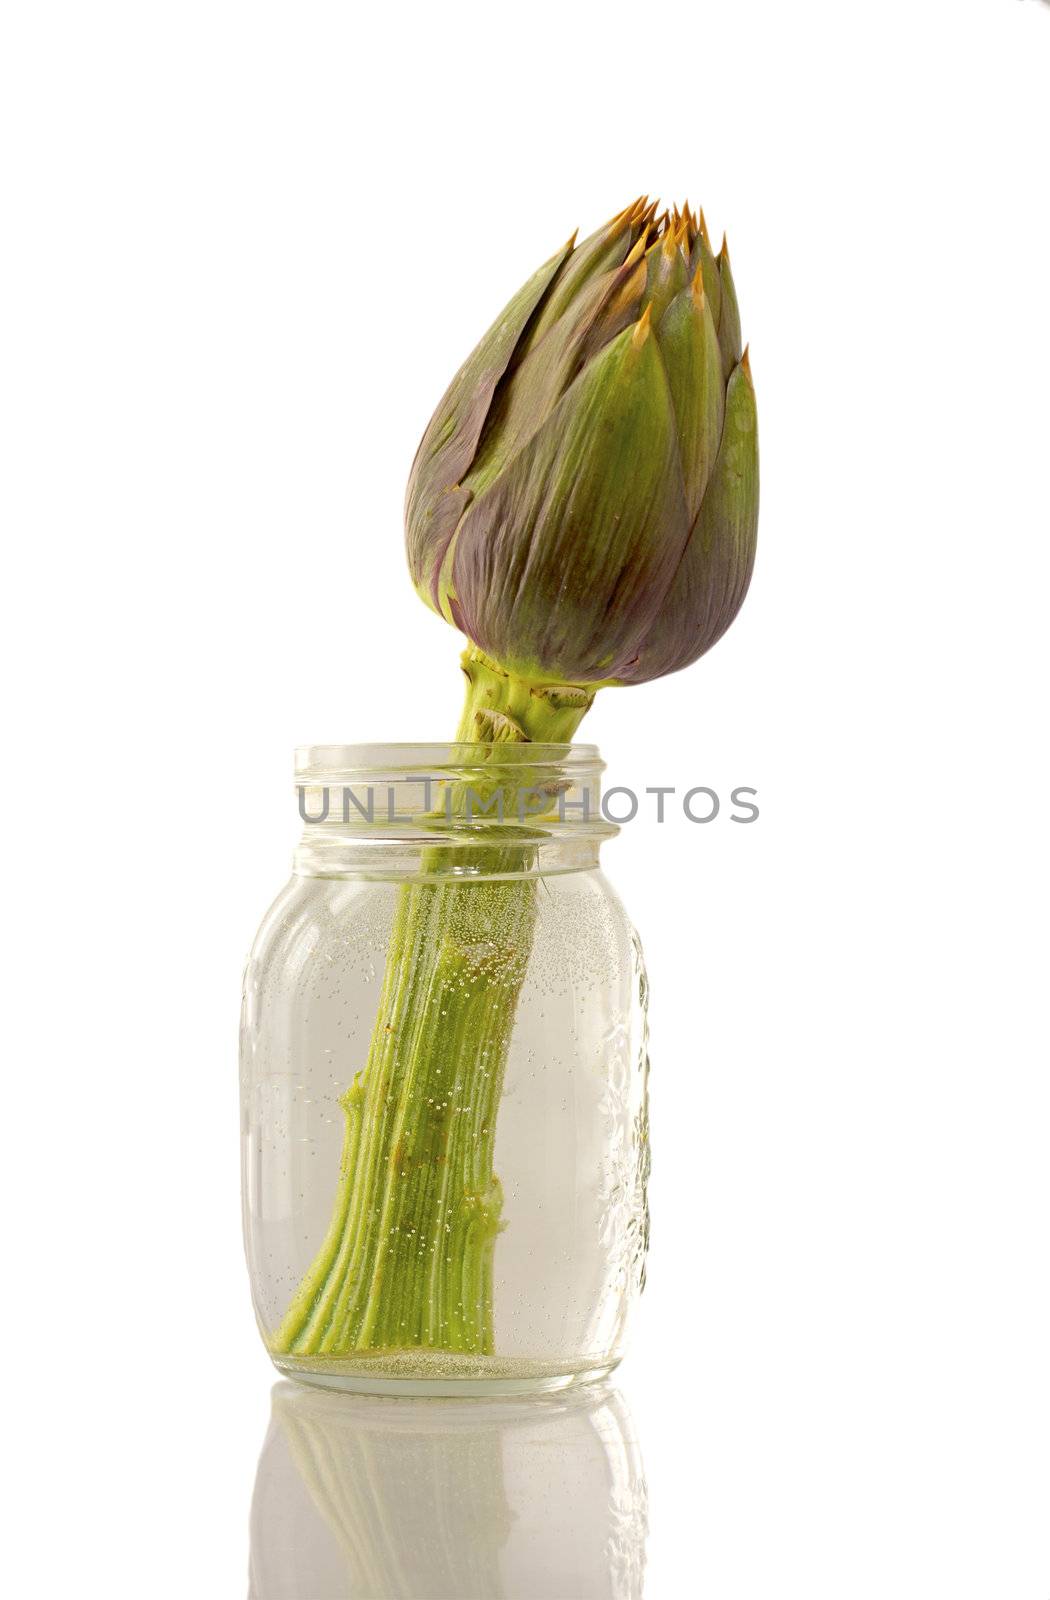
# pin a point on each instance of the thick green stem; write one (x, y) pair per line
(501, 708)
(408, 1257)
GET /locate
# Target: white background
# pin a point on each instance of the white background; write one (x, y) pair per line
(246, 246)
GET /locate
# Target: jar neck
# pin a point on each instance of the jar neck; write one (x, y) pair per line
(331, 853)
(459, 811)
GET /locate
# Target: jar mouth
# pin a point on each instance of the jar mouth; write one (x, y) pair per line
(332, 763)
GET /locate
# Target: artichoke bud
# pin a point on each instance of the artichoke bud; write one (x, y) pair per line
(584, 502)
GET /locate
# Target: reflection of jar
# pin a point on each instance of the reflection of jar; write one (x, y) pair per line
(469, 1500)
(444, 1077)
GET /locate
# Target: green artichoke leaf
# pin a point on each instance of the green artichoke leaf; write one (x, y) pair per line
(601, 252)
(712, 580)
(689, 345)
(668, 275)
(559, 568)
(704, 258)
(729, 337)
(618, 308)
(530, 392)
(434, 502)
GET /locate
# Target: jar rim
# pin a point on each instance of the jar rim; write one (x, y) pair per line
(319, 761)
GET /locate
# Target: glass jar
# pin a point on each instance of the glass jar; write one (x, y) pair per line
(443, 1077)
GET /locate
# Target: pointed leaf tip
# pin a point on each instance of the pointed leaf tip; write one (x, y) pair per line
(642, 327)
(626, 215)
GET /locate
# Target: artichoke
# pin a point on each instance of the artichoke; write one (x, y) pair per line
(584, 503)
(583, 506)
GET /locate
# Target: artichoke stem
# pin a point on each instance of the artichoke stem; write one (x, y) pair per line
(503, 708)
(407, 1260)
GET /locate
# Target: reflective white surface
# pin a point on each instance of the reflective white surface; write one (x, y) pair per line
(360, 1498)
